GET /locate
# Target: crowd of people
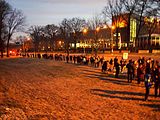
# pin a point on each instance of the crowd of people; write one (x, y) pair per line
(141, 70)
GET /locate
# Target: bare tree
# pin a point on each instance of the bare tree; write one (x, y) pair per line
(94, 25)
(70, 29)
(129, 8)
(73, 27)
(151, 25)
(36, 33)
(117, 10)
(4, 11)
(144, 9)
(50, 32)
(65, 34)
(14, 22)
(95, 22)
(114, 12)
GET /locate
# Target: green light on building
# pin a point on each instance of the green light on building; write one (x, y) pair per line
(133, 27)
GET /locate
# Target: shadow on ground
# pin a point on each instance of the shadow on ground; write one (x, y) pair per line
(155, 107)
(110, 77)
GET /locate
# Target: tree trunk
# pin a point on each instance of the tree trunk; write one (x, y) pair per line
(149, 44)
(67, 48)
(140, 24)
(117, 40)
(137, 34)
(75, 47)
(35, 49)
(128, 32)
(8, 45)
(96, 47)
(1, 53)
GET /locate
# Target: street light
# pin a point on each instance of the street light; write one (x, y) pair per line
(96, 35)
(97, 29)
(84, 32)
(104, 27)
(111, 44)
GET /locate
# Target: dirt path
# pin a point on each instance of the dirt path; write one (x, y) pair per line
(35, 89)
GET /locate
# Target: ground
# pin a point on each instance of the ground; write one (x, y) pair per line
(38, 89)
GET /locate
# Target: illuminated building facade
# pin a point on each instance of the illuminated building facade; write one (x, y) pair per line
(125, 33)
(92, 39)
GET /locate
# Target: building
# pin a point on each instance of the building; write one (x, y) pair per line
(128, 35)
(91, 39)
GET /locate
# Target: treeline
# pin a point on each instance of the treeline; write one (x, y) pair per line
(115, 12)
(11, 21)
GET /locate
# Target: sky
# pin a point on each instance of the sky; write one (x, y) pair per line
(43, 12)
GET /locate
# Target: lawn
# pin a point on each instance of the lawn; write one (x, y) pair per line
(39, 89)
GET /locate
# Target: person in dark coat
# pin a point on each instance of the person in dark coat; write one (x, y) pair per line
(71, 58)
(74, 59)
(122, 64)
(148, 67)
(117, 70)
(104, 66)
(157, 80)
(148, 85)
(130, 71)
(110, 64)
(140, 74)
(115, 61)
(67, 58)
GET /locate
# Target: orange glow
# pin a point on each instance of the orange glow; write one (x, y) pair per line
(60, 42)
(97, 29)
(119, 21)
(12, 52)
(121, 24)
(28, 38)
(105, 26)
(85, 31)
(113, 27)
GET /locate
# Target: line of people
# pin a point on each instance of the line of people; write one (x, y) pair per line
(146, 70)
(141, 70)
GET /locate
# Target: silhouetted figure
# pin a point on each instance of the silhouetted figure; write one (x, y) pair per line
(71, 59)
(117, 70)
(115, 61)
(148, 85)
(39, 56)
(101, 60)
(74, 59)
(140, 74)
(67, 58)
(110, 64)
(157, 80)
(130, 71)
(104, 66)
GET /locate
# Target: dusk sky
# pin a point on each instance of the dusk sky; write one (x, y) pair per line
(43, 12)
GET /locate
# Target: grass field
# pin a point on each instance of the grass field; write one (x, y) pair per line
(39, 89)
